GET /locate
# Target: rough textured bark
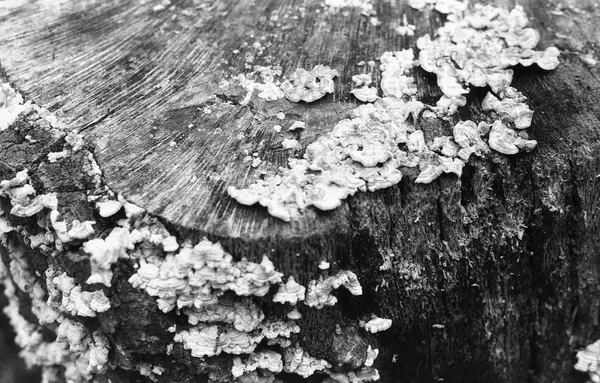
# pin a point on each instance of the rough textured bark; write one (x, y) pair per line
(494, 276)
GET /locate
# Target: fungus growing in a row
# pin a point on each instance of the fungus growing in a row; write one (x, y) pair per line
(242, 313)
(212, 340)
(198, 275)
(365, 374)
(263, 359)
(277, 329)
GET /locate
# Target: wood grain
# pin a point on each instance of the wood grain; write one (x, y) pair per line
(506, 258)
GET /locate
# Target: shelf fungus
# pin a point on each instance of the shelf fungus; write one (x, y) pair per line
(309, 86)
(588, 360)
(108, 208)
(198, 275)
(318, 293)
(242, 313)
(213, 340)
(23, 198)
(365, 374)
(478, 47)
(372, 354)
(299, 362)
(77, 231)
(72, 299)
(377, 324)
(510, 107)
(365, 94)
(263, 359)
(104, 252)
(291, 292)
(507, 141)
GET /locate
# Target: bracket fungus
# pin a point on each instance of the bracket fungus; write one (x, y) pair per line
(198, 275)
(299, 362)
(318, 293)
(291, 292)
(588, 360)
(23, 198)
(506, 141)
(309, 86)
(264, 359)
(377, 324)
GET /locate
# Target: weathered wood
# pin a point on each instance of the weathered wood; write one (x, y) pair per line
(506, 258)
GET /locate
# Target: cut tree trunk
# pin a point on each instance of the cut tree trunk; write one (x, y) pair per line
(493, 276)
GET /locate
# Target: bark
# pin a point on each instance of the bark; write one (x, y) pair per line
(490, 277)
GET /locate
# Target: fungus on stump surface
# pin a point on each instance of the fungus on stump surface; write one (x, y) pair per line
(319, 191)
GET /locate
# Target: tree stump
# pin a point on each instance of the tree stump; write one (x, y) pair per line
(492, 276)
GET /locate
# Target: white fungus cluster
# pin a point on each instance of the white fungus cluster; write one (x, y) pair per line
(242, 313)
(77, 352)
(377, 324)
(72, 299)
(265, 360)
(365, 374)
(11, 105)
(210, 340)
(299, 362)
(362, 90)
(309, 86)
(318, 293)
(198, 275)
(23, 198)
(588, 360)
(291, 292)
(475, 47)
(263, 80)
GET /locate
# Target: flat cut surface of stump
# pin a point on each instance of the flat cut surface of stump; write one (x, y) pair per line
(493, 276)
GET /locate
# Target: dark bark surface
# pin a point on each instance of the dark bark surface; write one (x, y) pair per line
(494, 276)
